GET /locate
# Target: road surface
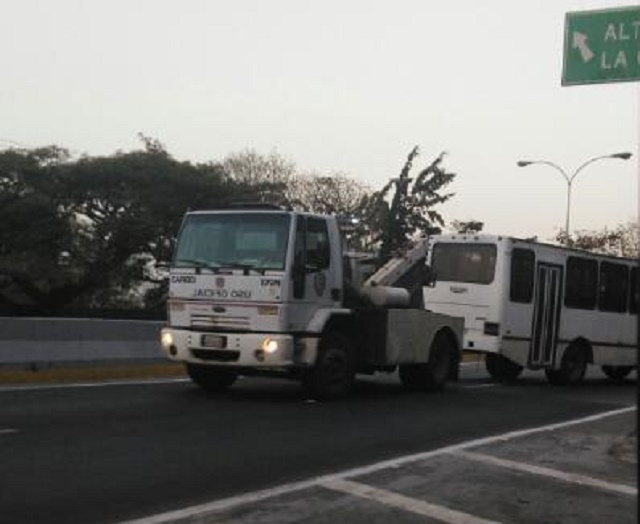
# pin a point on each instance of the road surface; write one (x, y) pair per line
(102, 453)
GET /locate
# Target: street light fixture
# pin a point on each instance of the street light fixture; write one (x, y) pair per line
(570, 179)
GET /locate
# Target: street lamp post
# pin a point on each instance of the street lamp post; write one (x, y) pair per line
(570, 179)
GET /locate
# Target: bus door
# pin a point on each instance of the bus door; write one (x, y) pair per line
(546, 315)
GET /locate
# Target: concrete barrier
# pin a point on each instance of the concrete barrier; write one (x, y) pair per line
(48, 342)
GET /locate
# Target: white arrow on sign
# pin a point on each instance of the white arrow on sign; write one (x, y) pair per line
(580, 41)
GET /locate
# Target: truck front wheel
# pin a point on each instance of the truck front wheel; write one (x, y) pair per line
(333, 374)
(211, 378)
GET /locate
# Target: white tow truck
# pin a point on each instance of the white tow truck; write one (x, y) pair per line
(265, 291)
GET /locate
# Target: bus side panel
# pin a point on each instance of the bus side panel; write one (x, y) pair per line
(516, 336)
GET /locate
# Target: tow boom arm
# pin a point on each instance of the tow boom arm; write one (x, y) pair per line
(405, 270)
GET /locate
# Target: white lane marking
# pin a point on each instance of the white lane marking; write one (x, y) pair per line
(216, 506)
(396, 500)
(548, 472)
(137, 382)
(8, 431)
(109, 383)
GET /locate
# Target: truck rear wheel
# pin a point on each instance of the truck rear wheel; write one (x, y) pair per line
(333, 374)
(501, 368)
(433, 375)
(211, 378)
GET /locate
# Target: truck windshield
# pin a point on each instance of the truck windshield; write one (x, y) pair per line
(232, 240)
(472, 263)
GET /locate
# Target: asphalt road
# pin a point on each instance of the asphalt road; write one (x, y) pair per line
(107, 453)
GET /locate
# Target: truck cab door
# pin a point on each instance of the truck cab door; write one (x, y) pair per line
(311, 273)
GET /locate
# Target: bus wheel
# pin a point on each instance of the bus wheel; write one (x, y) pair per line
(572, 368)
(211, 378)
(501, 368)
(333, 374)
(617, 373)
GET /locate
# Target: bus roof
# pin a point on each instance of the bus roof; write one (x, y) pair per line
(483, 238)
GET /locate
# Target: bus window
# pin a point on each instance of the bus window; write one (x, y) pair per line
(522, 272)
(614, 283)
(582, 283)
(634, 291)
(472, 263)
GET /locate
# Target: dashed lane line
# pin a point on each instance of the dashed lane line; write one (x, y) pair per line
(396, 500)
(548, 472)
(201, 511)
(8, 431)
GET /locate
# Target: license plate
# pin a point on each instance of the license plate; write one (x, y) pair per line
(214, 341)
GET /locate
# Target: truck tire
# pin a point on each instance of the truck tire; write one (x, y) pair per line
(617, 373)
(333, 374)
(433, 375)
(573, 367)
(211, 378)
(501, 368)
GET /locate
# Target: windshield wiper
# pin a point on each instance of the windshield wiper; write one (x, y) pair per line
(245, 267)
(197, 263)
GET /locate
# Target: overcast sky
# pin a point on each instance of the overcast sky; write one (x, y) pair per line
(336, 86)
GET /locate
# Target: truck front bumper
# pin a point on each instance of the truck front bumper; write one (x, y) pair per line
(246, 350)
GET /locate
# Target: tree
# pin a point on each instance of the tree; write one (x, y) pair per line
(467, 227)
(336, 194)
(620, 241)
(34, 230)
(269, 178)
(93, 226)
(404, 207)
(277, 180)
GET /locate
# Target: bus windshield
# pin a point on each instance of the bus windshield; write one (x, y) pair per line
(233, 240)
(471, 263)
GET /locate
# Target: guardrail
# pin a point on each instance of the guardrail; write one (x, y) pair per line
(49, 342)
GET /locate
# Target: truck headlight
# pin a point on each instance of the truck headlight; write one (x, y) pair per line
(269, 345)
(166, 339)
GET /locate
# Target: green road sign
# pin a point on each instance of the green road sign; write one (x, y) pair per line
(602, 46)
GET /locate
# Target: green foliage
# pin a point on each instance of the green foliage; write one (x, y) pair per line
(85, 232)
(467, 227)
(34, 231)
(405, 207)
(335, 194)
(621, 241)
(269, 178)
(277, 180)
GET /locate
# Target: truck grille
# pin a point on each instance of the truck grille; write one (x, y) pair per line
(217, 355)
(200, 320)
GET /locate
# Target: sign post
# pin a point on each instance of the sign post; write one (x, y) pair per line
(602, 46)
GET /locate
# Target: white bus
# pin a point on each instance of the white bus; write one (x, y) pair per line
(537, 306)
